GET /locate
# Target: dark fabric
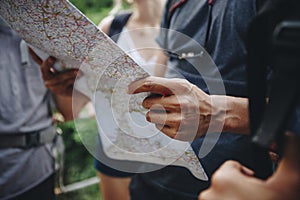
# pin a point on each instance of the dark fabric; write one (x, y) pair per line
(139, 191)
(105, 164)
(43, 191)
(177, 182)
(117, 25)
(119, 168)
(268, 121)
(110, 171)
(226, 41)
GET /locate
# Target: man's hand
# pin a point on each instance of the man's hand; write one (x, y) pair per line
(179, 109)
(232, 181)
(59, 83)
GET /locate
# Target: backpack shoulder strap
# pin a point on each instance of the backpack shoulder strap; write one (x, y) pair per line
(117, 25)
(171, 6)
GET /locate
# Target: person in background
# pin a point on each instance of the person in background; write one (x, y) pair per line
(27, 132)
(135, 33)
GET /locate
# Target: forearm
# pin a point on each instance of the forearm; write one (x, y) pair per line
(234, 114)
(64, 106)
(70, 107)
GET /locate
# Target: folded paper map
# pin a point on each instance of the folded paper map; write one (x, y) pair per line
(59, 29)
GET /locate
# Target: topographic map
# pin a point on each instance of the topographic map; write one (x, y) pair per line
(59, 29)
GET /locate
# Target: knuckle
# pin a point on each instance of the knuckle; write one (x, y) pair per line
(183, 122)
(148, 117)
(174, 121)
(203, 196)
(186, 86)
(159, 127)
(221, 179)
(184, 82)
(149, 83)
(71, 81)
(145, 103)
(230, 163)
(171, 135)
(185, 104)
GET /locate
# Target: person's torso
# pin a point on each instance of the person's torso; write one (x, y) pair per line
(226, 37)
(24, 102)
(226, 45)
(24, 107)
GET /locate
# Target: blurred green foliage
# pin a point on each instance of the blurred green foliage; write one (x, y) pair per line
(95, 10)
(96, 5)
(78, 163)
(96, 17)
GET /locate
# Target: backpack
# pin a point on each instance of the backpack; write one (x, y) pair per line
(273, 43)
(117, 25)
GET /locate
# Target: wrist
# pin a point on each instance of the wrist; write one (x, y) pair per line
(231, 113)
(237, 115)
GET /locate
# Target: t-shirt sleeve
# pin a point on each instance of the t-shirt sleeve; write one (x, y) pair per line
(162, 35)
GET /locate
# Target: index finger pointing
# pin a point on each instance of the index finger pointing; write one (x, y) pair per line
(151, 84)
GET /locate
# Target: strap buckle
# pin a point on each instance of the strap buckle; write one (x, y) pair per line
(32, 139)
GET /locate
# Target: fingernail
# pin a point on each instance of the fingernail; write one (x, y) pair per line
(52, 70)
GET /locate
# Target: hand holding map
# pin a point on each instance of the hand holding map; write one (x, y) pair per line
(59, 29)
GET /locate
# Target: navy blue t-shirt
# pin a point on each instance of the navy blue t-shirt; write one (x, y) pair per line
(226, 45)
